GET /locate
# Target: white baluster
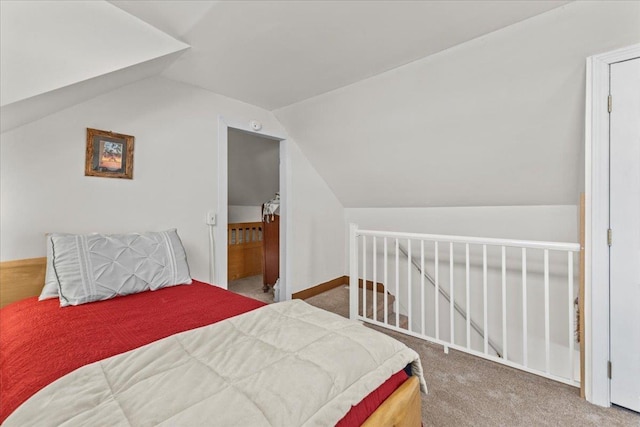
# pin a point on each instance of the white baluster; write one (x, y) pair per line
(570, 312)
(451, 296)
(422, 287)
(468, 296)
(525, 332)
(436, 292)
(364, 276)
(375, 279)
(386, 283)
(546, 310)
(504, 303)
(409, 284)
(484, 297)
(397, 300)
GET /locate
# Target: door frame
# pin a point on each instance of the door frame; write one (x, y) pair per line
(221, 255)
(596, 304)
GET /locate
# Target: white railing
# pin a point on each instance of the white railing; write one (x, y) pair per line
(509, 301)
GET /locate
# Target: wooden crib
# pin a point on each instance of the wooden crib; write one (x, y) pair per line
(245, 249)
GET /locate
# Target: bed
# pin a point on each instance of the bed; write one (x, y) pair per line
(46, 352)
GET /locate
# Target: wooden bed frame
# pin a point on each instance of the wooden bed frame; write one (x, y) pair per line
(25, 278)
(21, 279)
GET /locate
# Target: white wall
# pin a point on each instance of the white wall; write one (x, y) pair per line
(43, 187)
(548, 223)
(317, 227)
(244, 213)
(495, 121)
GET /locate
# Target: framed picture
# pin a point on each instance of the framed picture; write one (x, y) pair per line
(109, 154)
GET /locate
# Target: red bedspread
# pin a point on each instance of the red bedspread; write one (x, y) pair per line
(41, 342)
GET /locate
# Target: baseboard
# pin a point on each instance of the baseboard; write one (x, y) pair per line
(338, 281)
(322, 287)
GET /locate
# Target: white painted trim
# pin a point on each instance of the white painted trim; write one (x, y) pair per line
(286, 220)
(220, 232)
(530, 244)
(286, 235)
(597, 222)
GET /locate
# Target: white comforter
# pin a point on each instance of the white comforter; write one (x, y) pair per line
(286, 364)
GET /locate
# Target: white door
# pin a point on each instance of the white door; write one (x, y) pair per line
(625, 225)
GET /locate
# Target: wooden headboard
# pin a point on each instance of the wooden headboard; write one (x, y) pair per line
(21, 279)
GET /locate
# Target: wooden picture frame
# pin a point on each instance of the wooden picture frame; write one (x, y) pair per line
(109, 154)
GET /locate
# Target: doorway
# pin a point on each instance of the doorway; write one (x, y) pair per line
(253, 214)
(219, 264)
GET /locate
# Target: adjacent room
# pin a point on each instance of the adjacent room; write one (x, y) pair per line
(288, 213)
(253, 254)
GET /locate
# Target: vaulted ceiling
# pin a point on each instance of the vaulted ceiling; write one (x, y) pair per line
(56, 54)
(267, 53)
(276, 53)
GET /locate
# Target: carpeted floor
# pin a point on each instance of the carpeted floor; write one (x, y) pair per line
(468, 391)
(251, 287)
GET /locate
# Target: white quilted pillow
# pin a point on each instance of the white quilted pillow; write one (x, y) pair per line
(94, 267)
(50, 289)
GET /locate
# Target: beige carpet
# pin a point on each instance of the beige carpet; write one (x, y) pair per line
(468, 391)
(251, 287)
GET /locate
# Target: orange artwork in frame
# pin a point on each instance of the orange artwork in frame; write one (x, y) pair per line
(109, 154)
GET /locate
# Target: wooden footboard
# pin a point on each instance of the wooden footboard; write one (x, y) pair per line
(401, 409)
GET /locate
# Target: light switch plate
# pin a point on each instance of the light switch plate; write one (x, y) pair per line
(211, 218)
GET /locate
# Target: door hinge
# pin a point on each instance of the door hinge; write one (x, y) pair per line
(609, 103)
(609, 236)
(609, 369)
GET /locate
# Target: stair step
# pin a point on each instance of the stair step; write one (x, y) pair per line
(391, 315)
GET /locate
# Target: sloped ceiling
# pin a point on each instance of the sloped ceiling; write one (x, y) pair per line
(254, 169)
(496, 121)
(276, 53)
(57, 54)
